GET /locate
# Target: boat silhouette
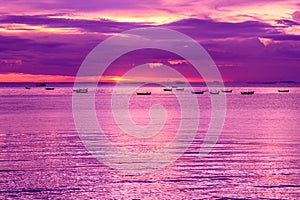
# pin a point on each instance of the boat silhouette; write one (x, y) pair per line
(167, 89)
(226, 91)
(283, 90)
(214, 92)
(49, 88)
(143, 93)
(83, 90)
(197, 92)
(247, 93)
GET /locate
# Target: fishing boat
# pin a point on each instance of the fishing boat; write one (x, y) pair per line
(167, 89)
(179, 89)
(247, 93)
(283, 90)
(83, 90)
(40, 84)
(49, 88)
(197, 92)
(226, 91)
(214, 92)
(143, 93)
(27, 88)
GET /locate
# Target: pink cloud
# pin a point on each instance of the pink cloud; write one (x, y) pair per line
(296, 16)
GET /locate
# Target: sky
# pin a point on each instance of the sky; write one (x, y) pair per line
(47, 40)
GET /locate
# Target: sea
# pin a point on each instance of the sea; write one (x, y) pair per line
(43, 154)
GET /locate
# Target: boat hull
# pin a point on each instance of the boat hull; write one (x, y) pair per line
(200, 92)
(81, 90)
(218, 92)
(283, 90)
(247, 93)
(227, 91)
(143, 93)
(167, 90)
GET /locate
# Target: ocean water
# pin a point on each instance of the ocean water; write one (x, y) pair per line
(43, 157)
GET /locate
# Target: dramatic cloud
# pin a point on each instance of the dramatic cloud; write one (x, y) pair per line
(249, 40)
(78, 5)
(101, 25)
(204, 29)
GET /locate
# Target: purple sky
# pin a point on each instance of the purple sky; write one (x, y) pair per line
(248, 40)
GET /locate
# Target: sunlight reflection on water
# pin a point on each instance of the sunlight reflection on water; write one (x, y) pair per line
(257, 155)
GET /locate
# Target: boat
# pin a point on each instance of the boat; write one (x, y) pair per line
(83, 90)
(283, 90)
(49, 88)
(174, 86)
(40, 84)
(143, 93)
(167, 89)
(226, 91)
(214, 92)
(27, 88)
(247, 93)
(179, 89)
(198, 92)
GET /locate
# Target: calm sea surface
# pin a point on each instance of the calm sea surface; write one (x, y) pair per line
(256, 157)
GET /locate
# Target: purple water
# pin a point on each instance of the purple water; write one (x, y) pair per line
(257, 155)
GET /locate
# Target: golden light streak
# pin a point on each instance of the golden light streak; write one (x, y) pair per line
(24, 28)
(152, 17)
(21, 77)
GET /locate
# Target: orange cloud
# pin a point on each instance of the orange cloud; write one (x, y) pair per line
(177, 62)
(20, 77)
(267, 41)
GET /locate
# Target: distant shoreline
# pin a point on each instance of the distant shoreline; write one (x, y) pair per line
(279, 84)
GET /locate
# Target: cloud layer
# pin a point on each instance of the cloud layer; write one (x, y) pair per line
(53, 37)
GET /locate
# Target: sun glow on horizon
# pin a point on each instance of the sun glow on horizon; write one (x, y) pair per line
(20, 77)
